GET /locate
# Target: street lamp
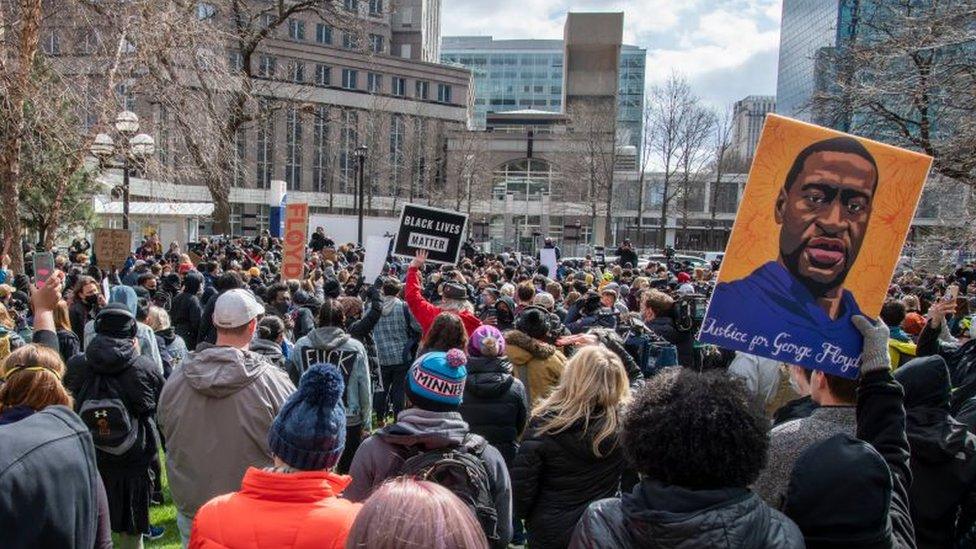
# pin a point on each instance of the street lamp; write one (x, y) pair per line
(361, 152)
(132, 148)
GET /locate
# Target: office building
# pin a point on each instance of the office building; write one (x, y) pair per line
(808, 26)
(748, 115)
(416, 30)
(528, 74)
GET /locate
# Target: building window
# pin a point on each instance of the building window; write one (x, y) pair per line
(293, 149)
(235, 61)
(399, 86)
(405, 51)
(267, 66)
(349, 41)
(298, 72)
(125, 97)
(443, 93)
(349, 78)
(265, 151)
(52, 43)
(348, 141)
(376, 43)
(376, 7)
(323, 33)
(421, 89)
(374, 82)
(323, 76)
(296, 29)
(320, 146)
(351, 5)
(266, 20)
(206, 11)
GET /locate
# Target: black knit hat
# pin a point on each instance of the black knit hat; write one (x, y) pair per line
(840, 495)
(115, 320)
(534, 322)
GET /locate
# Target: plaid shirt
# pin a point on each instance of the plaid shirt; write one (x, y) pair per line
(392, 338)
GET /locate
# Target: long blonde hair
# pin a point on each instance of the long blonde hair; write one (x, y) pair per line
(594, 386)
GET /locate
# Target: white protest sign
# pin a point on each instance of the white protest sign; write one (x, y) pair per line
(376, 250)
(547, 257)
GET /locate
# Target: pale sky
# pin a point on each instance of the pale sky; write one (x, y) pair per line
(726, 48)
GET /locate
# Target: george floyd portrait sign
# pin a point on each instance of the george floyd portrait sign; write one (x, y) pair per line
(815, 241)
(440, 232)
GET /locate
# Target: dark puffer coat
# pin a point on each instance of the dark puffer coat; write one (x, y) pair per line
(659, 516)
(186, 311)
(495, 405)
(555, 478)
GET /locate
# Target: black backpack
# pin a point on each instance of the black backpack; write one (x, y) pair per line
(461, 470)
(112, 427)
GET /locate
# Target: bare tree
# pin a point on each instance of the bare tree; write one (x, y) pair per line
(670, 105)
(908, 77)
(693, 158)
(592, 146)
(722, 144)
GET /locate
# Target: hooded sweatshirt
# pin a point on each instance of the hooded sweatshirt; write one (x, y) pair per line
(379, 458)
(943, 459)
(148, 346)
(186, 310)
(215, 412)
(495, 404)
(331, 345)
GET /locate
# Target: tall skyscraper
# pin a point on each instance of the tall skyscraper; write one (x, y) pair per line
(808, 26)
(748, 115)
(514, 75)
(416, 30)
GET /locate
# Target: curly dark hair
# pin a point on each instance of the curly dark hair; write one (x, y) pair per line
(695, 430)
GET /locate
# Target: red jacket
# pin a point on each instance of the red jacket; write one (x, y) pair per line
(277, 510)
(425, 312)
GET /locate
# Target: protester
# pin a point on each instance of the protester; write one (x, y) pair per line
(396, 336)
(698, 443)
(657, 312)
(171, 343)
(445, 333)
(900, 344)
(116, 393)
(268, 340)
(68, 343)
(570, 455)
(803, 405)
(453, 300)
(427, 430)
(330, 344)
(295, 502)
(407, 514)
(538, 364)
(86, 300)
(943, 458)
(51, 494)
(220, 402)
(187, 311)
(126, 296)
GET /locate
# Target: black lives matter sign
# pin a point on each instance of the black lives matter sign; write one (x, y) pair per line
(432, 229)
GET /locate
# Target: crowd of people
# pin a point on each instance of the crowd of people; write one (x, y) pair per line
(488, 403)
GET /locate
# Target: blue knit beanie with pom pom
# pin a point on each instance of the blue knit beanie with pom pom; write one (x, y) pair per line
(310, 430)
(435, 381)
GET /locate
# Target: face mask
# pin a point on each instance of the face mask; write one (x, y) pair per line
(92, 300)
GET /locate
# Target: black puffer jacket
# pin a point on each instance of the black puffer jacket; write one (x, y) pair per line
(943, 460)
(660, 516)
(495, 404)
(135, 379)
(186, 311)
(555, 478)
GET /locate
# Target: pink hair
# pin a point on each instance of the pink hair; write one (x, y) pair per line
(405, 513)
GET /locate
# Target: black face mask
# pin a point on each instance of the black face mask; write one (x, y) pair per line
(91, 300)
(283, 306)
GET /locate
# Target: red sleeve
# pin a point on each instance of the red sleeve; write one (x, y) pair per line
(471, 322)
(424, 311)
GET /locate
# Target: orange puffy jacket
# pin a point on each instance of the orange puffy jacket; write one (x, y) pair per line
(277, 510)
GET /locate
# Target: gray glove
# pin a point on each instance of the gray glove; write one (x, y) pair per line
(875, 357)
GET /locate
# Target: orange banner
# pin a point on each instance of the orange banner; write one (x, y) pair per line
(296, 233)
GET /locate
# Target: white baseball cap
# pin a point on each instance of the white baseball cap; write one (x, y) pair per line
(235, 308)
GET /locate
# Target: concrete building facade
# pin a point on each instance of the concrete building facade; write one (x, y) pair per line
(748, 115)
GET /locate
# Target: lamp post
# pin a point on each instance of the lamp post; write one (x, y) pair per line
(132, 148)
(361, 152)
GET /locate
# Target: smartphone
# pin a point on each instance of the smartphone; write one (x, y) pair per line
(952, 292)
(43, 267)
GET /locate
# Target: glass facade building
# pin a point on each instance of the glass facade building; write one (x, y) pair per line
(514, 75)
(808, 26)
